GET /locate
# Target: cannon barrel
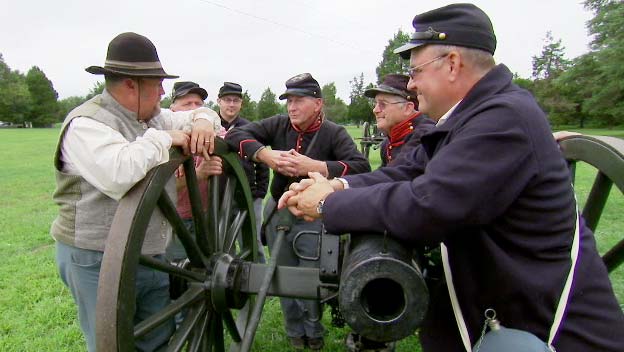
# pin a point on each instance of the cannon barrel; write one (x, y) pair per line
(382, 293)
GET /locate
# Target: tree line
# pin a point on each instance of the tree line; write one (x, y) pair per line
(588, 89)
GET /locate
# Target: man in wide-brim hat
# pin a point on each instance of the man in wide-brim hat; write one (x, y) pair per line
(107, 145)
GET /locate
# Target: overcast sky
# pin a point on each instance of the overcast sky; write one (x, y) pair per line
(258, 44)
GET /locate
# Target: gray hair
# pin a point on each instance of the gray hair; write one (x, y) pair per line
(477, 58)
(110, 81)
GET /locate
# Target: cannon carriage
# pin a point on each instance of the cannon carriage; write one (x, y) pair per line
(371, 138)
(221, 289)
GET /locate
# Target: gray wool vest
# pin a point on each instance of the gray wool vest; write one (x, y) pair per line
(86, 214)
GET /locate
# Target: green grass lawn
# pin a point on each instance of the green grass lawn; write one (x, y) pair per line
(38, 313)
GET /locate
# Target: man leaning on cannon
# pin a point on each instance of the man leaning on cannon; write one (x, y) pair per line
(302, 141)
(490, 184)
(107, 145)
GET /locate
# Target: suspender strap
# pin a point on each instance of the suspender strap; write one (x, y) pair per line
(459, 317)
(561, 306)
(563, 300)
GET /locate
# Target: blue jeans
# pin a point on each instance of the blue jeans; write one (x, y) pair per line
(80, 271)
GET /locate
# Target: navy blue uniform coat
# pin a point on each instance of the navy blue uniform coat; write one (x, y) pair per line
(492, 185)
(257, 173)
(333, 145)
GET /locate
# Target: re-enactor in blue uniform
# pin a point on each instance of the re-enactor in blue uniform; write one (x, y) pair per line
(490, 183)
(301, 141)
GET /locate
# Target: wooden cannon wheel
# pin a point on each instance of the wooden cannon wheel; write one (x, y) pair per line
(606, 154)
(213, 255)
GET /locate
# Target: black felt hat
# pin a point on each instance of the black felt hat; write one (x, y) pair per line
(181, 89)
(231, 88)
(303, 85)
(457, 24)
(393, 84)
(133, 55)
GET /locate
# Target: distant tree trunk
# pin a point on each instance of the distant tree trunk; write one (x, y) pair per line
(582, 116)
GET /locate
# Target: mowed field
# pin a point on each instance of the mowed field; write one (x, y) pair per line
(38, 313)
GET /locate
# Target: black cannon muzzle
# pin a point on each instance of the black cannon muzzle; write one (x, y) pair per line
(382, 295)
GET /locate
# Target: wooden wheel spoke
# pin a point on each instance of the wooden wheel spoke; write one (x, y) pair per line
(171, 269)
(182, 334)
(245, 254)
(614, 257)
(197, 208)
(230, 324)
(190, 246)
(168, 312)
(200, 332)
(217, 332)
(213, 212)
(234, 231)
(596, 200)
(227, 202)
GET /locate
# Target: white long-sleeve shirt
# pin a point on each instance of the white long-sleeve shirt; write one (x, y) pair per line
(112, 164)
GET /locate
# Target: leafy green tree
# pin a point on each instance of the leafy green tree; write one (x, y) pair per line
(166, 102)
(360, 109)
(68, 104)
(607, 30)
(98, 88)
(392, 63)
(267, 105)
(15, 100)
(44, 109)
(552, 62)
(525, 83)
(248, 110)
(283, 108)
(335, 108)
(549, 65)
(577, 85)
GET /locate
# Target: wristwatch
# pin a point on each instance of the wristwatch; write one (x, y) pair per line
(319, 206)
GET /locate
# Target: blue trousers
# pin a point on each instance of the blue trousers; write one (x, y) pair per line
(301, 317)
(80, 271)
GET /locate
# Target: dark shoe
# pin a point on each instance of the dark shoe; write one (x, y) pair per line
(298, 343)
(316, 343)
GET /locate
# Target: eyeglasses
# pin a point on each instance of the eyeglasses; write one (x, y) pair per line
(414, 71)
(383, 104)
(231, 100)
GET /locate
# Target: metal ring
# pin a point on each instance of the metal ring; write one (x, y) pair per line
(490, 314)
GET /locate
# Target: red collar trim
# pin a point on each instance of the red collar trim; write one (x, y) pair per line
(400, 131)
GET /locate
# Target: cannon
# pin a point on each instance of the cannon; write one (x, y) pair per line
(371, 137)
(374, 280)
(221, 289)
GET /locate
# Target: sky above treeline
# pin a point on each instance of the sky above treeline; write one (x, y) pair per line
(259, 44)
